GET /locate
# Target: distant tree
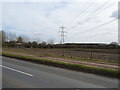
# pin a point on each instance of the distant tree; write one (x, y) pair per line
(113, 45)
(50, 41)
(25, 38)
(20, 40)
(34, 44)
(12, 36)
(12, 44)
(29, 44)
(43, 44)
(4, 36)
(38, 40)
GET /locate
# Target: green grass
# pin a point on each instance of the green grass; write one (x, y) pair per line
(89, 69)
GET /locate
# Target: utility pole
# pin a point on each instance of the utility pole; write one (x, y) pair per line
(62, 34)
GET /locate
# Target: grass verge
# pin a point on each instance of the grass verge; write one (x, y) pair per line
(77, 67)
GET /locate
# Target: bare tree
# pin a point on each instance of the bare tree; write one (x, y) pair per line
(4, 36)
(25, 38)
(38, 40)
(11, 36)
(50, 41)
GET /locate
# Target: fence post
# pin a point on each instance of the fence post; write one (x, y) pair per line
(70, 55)
(63, 54)
(91, 56)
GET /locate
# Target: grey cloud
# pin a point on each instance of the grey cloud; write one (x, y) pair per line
(115, 15)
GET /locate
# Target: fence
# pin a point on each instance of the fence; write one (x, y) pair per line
(92, 55)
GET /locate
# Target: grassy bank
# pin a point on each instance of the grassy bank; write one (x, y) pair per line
(83, 68)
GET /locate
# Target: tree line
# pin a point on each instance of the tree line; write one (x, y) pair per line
(11, 40)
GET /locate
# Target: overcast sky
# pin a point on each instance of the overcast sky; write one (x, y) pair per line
(88, 21)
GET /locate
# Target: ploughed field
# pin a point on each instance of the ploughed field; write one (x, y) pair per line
(94, 55)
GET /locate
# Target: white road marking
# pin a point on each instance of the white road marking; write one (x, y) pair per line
(17, 70)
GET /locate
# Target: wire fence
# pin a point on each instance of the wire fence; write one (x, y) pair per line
(92, 55)
(109, 55)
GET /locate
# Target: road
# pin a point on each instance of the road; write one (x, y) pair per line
(21, 74)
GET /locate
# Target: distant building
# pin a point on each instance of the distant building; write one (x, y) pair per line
(19, 45)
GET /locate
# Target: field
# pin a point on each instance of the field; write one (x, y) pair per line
(93, 55)
(103, 61)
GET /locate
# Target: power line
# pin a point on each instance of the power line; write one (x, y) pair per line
(91, 29)
(62, 34)
(97, 34)
(79, 15)
(99, 8)
(106, 7)
(94, 14)
(99, 26)
(95, 11)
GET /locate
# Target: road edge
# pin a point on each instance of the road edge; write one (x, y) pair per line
(76, 67)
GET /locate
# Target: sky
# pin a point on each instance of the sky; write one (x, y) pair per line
(86, 21)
